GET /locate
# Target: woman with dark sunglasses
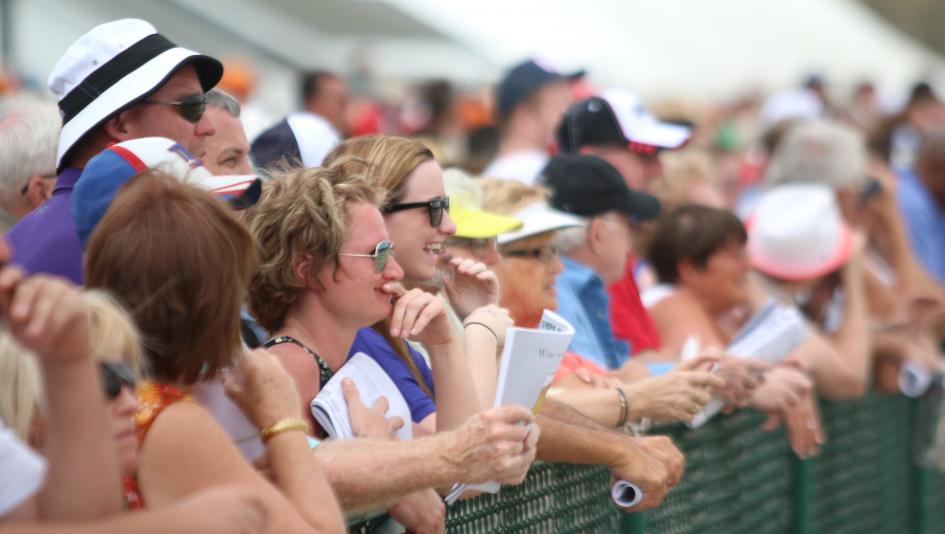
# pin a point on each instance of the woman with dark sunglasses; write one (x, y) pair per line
(440, 394)
(115, 343)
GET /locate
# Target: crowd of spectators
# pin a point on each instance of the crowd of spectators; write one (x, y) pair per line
(178, 285)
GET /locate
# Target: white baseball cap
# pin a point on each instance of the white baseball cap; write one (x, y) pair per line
(113, 66)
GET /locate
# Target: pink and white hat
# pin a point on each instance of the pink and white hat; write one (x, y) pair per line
(797, 233)
(113, 66)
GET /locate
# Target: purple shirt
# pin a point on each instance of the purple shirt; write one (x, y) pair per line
(372, 343)
(45, 240)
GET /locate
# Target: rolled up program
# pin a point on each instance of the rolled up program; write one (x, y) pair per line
(914, 379)
(626, 494)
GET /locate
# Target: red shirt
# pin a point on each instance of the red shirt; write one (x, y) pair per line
(629, 320)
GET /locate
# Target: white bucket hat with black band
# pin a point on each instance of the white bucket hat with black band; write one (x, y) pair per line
(113, 66)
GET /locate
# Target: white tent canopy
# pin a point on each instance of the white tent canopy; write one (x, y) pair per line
(690, 48)
(687, 48)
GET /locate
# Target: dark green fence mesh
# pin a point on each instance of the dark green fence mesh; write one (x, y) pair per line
(741, 480)
(863, 481)
(734, 482)
(554, 498)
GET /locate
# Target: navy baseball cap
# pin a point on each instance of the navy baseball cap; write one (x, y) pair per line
(617, 118)
(589, 186)
(522, 80)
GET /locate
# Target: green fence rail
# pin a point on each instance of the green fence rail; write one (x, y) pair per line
(741, 480)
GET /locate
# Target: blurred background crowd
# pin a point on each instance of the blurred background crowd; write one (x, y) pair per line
(659, 175)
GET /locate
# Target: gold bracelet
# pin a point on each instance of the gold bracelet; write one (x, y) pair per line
(282, 425)
(624, 407)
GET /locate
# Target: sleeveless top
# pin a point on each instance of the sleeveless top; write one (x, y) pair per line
(153, 398)
(324, 372)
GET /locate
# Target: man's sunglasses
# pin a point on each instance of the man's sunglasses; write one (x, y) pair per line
(116, 376)
(382, 252)
(190, 107)
(543, 254)
(435, 206)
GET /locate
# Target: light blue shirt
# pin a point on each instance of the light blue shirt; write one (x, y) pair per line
(925, 222)
(584, 302)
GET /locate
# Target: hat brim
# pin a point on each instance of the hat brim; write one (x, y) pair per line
(641, 206)
(472, 223)
(133, 87)
(239, 191)
(538, 221)
(659, 134)
(576, 75)
(838, 258)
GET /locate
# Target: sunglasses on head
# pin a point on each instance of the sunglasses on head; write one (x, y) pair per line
(190, 107)
(116, 376)
(382, 252)
(435, 206)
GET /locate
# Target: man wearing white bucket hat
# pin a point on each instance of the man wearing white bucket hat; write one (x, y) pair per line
(122, 80)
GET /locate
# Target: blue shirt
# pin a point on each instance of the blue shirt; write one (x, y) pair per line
(45, 240)
(584, 302)
(372, 343)
(925, 222)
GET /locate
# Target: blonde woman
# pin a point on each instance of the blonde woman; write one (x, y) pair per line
(114, 343)
(416, 215)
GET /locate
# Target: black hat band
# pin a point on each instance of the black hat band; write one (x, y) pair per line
(104, 77)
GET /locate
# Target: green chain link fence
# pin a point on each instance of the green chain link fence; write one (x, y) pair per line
(741, 480)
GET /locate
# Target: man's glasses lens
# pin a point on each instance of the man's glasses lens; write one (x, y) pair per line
(115, 376)
(190, 107)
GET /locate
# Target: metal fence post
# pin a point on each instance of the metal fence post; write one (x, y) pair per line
(633, 523)
(802, 495)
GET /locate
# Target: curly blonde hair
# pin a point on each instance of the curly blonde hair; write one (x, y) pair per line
(301, 214)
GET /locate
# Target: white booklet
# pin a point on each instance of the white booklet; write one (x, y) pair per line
(530, 359)
(770, 335)
(331, 411)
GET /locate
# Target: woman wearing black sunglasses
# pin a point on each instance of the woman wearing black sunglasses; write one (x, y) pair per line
(114, 343)
(416, 214)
